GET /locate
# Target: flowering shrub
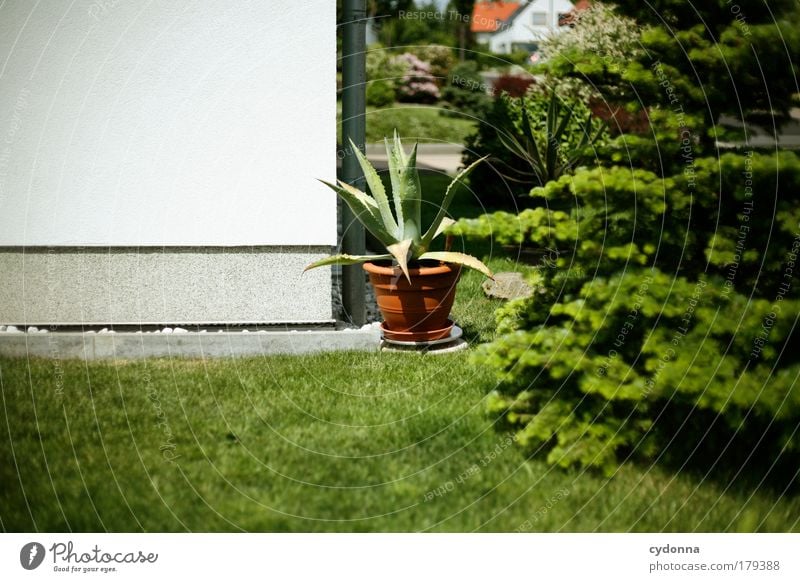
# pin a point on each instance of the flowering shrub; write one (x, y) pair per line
(418, 84)
(599, 31)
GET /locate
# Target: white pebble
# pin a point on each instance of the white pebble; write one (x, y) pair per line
(43, 330)
(166, 330)
(33, 329)
(2, 328)
(180, 330)
(104, 330)
(12, 329)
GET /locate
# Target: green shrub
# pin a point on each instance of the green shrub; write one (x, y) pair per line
(667, 323)
(380, 93)
(656, 300)
(590, 383)
(386, 71)
(466, 91)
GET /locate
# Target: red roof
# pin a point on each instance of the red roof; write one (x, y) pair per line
(486, 16)
(569, 18)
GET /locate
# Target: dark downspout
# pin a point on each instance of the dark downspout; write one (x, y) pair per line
(353, 127)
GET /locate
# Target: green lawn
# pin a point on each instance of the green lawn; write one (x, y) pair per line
(336, 442)
(421, 123)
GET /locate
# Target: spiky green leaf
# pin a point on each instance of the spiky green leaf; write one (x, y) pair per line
(410, 196)
(376, 188)
(398, 146)
(534, 156)
(459, 259)
(395, 162)
(365, 209)
(446, 223)
(400, 253)
(346, 260)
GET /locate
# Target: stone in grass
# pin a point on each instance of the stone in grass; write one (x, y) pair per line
(507, 286)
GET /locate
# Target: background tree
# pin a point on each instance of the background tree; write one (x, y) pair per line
(463, 11)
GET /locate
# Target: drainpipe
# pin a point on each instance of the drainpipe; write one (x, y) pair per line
(353, 127)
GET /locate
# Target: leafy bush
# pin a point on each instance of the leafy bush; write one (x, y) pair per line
(669, 307)
(660, 301)
(383, 72)
(380, 93)
(519, 58)
(540, 227)
(592, 382)
(466, 91)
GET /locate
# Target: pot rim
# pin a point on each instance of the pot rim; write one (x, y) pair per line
(441, 269)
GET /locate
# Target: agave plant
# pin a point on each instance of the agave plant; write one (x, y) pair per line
(401, 231)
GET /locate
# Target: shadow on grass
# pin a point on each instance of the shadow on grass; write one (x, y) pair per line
(702, 444)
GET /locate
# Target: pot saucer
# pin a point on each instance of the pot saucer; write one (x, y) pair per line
(447, 334)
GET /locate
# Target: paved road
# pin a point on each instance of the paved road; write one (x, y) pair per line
(789, 136)
(437, 157)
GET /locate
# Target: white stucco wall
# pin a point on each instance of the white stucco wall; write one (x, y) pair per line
(182, 123)
(158, 161)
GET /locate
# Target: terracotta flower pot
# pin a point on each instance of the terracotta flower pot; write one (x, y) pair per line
(416, 311)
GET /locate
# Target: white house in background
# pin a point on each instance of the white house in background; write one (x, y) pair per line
(512, 26)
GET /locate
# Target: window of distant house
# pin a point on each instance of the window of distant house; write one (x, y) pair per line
(540, 18)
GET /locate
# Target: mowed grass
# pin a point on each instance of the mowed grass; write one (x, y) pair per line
(337, 442)
(423, 123)
(333, 442)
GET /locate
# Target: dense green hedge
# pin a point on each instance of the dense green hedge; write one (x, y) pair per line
(678, 291)
(668, 291)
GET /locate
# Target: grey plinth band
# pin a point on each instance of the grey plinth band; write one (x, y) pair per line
(163, 285)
